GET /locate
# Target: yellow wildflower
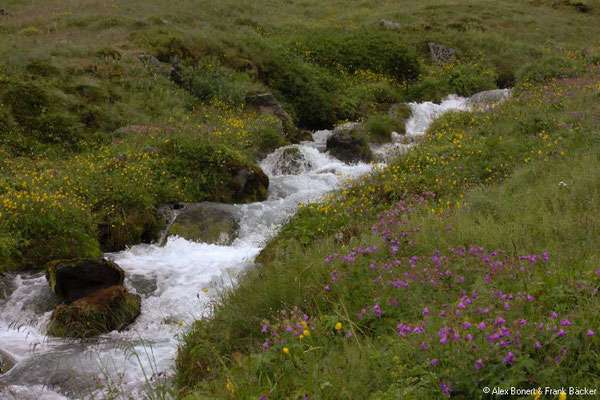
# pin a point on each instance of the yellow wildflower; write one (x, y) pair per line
(338, 326)
(562, 396)
(229, 386)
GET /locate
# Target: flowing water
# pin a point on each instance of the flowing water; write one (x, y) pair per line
(175, 281)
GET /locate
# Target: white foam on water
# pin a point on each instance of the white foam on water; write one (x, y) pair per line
(423, 114)
(176, 282)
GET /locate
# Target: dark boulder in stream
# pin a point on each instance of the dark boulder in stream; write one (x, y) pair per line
(106, 310)
(74, 279)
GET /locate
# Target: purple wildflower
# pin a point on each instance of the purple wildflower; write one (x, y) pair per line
(509, 358)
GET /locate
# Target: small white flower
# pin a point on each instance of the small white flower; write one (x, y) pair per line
(562, 184)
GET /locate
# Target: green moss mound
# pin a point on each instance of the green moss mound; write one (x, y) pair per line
(367, 48)
(551, 67)
(139, 225)
(379, 128)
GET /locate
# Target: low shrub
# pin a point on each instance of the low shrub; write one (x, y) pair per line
(209, 80)
(548, 68)
(308, 88)
(373, 49)
(463, 79)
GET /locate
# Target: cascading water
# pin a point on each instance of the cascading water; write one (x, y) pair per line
(175, 282)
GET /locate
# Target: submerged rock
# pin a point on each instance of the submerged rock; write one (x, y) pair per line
(488, 98)
(349, 148)
(6, 362)
(206, 222)
(73, 279)
(291, 162)
(106, 310)
(441, 54)
(144, 285)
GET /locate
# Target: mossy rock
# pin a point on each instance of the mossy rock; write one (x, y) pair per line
(242, 182)
(268, 139)
(74, 279)
(214, 172)
(349, 147)
(106, 310)
(206, 223)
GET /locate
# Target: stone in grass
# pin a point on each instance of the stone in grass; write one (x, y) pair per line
(392, 25)
(349, 147)
(441, 54)
(489, 98)
(206, 222)
(74, 279)
(106, 310)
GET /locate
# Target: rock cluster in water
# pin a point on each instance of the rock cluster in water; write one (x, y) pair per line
(95, 300)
